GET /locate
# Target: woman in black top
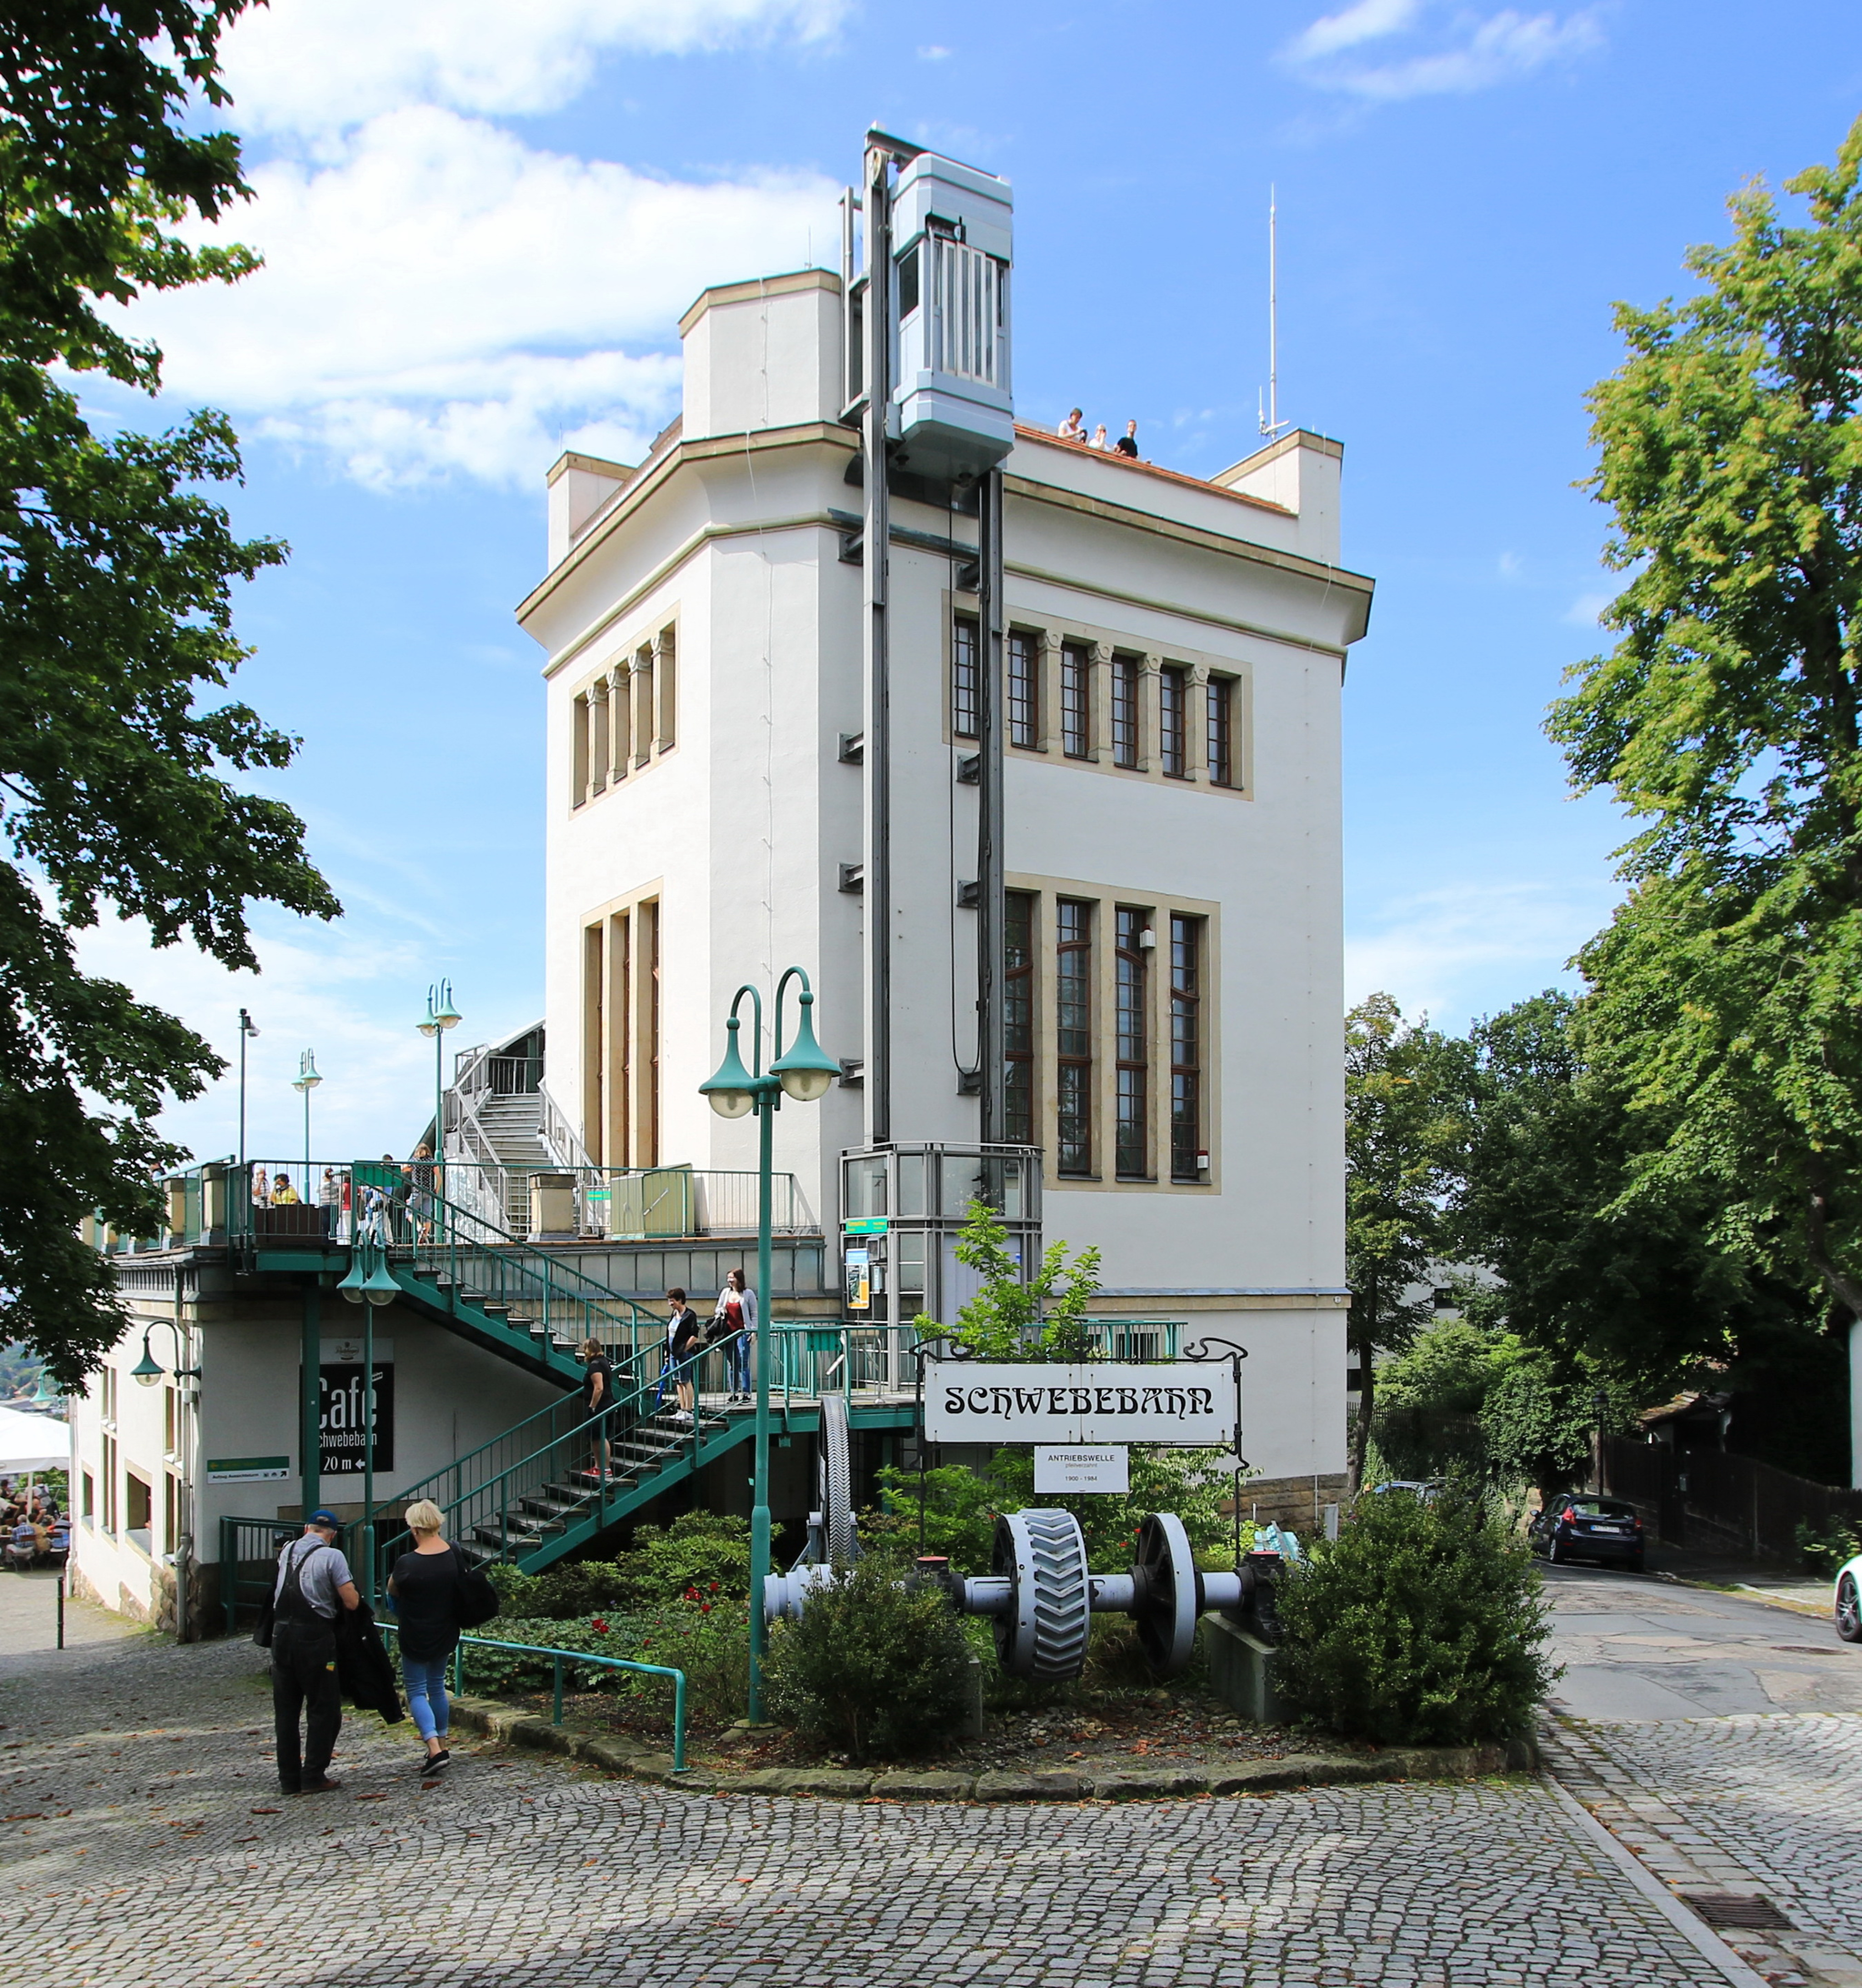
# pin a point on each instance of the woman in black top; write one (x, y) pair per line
(425, 1588)
(685, 1342)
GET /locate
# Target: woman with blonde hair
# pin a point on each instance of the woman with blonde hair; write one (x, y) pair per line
(424, 1588)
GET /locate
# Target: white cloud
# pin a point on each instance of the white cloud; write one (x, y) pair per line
(1471, 949)
(1464, 54)
(316, 65)
(1365, 22)
(325, 989)
(437, 297)
(1586, 610)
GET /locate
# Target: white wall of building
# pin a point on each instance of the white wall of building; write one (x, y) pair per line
(733, 530)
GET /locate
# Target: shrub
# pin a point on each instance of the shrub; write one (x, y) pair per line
(873, 1666)
(1421, 1624)
(706, 1550)
(1827, 1551)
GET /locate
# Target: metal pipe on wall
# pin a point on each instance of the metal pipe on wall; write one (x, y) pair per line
(876, 756)
(991, 909)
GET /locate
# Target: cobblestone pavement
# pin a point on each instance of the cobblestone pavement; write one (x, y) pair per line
(149, 1848)
(1761, 1799)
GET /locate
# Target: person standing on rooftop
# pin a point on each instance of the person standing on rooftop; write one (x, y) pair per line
(1072, 429)
(1098, 440)
(1128, 443)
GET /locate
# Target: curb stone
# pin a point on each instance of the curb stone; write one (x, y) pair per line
(504, 1727)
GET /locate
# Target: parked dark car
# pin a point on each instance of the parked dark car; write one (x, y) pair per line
(1580, 1527)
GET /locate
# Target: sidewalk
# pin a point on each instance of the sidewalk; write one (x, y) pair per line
(1807, 1594)
(29, 1616)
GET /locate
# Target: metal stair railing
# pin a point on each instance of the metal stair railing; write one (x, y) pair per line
(534, 1483)
(482, 1264)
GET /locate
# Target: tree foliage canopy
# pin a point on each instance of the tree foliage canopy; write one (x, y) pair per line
(1401, 1134)
(1726, 1000)
(116, 630)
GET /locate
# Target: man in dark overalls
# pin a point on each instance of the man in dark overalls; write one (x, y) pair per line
(313, 1582)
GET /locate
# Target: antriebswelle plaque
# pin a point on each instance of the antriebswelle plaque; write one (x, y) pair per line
(1182, 1403)
(1059, 1470)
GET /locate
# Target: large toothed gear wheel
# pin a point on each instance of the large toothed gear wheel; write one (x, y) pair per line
(1043, 1633)
(1166, 1599)
(836, 1478)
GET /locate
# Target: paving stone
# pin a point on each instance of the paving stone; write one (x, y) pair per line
(1049, 1785)
(932, 1785)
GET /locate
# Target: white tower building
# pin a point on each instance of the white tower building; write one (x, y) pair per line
(1046, 801)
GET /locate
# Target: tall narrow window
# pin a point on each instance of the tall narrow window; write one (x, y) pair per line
(1076, 725)
(1185, 1047)
(1023, 700)
(1072, 979)
(1221, 723)
(1173, 700)
(643, 704)
(1124, 711)
(594, 1042)
(1018, 1015)
(965, 680)
(1133, 1044)
(579, 752)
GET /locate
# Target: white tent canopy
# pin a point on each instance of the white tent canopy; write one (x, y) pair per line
(33, 1442)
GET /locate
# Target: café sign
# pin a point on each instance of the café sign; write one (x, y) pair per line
(1188, 1403)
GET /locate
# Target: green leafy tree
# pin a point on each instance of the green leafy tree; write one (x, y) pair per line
(1541, 1417)
(1401, 1141)
(1042, 1318)
(116, 632)
(1726, 721)
(1591, 1261)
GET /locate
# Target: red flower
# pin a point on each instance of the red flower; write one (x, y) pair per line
(691, 1594)
(714, 1587)
(598, 1626)
(704, 1608)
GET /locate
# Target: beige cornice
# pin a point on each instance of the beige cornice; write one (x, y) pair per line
(706, 449)
(757, 286)
(1189, 535)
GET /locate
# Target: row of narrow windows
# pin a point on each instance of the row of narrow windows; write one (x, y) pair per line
(620, 1036)
(624, 718)
(1107, 1040)
(1189, 714)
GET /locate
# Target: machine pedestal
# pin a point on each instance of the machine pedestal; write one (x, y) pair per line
(1241, 1671)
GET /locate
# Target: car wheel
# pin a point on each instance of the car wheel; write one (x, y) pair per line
(1552, 1552)
(1848, 1609)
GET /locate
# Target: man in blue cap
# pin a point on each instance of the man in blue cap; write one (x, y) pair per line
(313, 1582)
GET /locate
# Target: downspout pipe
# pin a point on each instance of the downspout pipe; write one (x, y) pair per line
(877, 755)
(991, 911)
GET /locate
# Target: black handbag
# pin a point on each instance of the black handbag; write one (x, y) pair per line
(474, 1600)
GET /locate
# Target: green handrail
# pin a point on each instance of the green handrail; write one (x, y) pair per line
(561, 1657)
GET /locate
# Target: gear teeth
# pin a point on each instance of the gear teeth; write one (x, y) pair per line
(1062, 1611)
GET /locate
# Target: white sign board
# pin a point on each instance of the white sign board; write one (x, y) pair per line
(1056, 1469)
(1184, 1402)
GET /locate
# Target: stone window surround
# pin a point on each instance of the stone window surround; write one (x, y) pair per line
(640, 678)
(1107, 900)
(1102, 644)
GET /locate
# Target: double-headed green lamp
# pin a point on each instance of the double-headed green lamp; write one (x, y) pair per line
(802, 1072)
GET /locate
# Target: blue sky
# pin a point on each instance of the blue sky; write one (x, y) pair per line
(482, 220)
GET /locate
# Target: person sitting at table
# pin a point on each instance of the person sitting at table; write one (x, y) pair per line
(27, 1543)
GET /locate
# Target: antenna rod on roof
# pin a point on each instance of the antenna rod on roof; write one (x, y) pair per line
(1271, 422)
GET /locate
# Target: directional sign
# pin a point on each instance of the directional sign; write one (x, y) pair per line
(864, 1225)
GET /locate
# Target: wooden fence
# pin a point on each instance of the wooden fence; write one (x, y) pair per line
(1709, 1501)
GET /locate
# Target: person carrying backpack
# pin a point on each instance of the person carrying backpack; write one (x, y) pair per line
(425, 1589)
(314, 1581)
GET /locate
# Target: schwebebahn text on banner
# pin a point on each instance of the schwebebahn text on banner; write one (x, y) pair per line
(1186, 1403)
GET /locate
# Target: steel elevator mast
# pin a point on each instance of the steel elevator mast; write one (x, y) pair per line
(924, 304)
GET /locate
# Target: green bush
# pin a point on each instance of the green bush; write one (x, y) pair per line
(873, 1667)
(706, 1552)
(1825, 1552)
(1421, 1624)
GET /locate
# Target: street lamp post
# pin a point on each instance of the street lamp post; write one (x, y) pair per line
(803, 1072)
(441, 1016)
(305, 1082)
(246, 1028)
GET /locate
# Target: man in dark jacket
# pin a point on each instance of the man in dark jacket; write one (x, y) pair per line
(314, 1588)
